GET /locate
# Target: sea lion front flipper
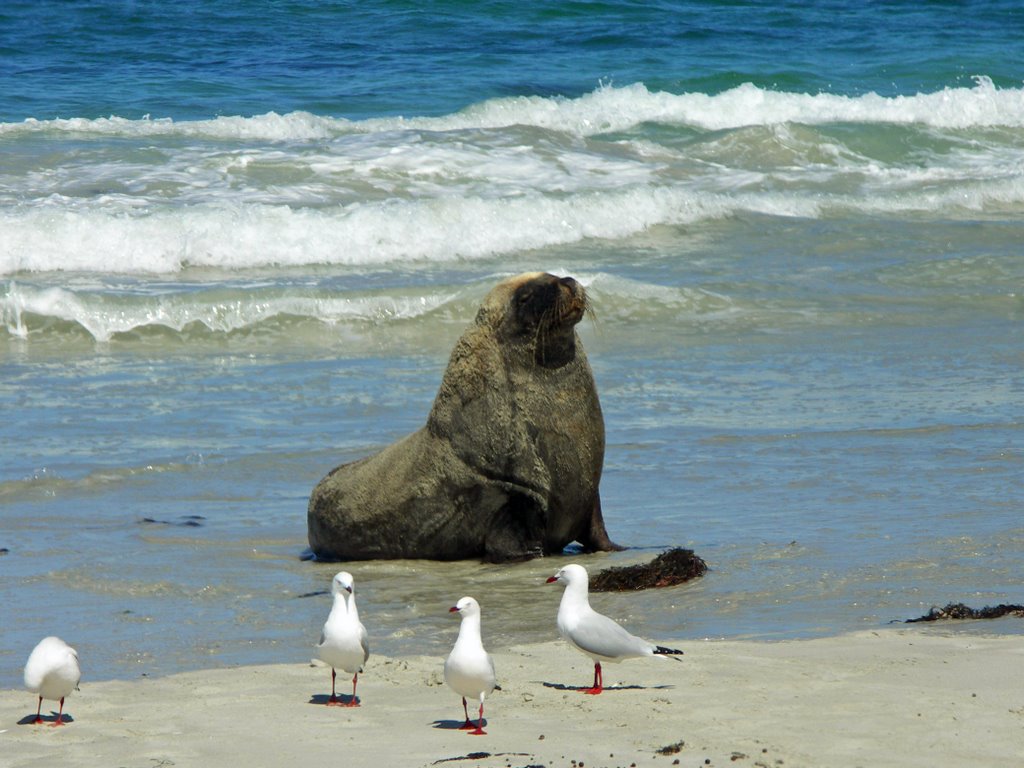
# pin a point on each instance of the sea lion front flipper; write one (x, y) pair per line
(516, 530)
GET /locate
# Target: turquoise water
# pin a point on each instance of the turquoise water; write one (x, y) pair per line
(238, 242)
(194, 60)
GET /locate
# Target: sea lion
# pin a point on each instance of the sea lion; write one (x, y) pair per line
(508, 464)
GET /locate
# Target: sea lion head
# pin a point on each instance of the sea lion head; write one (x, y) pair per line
(537, 310)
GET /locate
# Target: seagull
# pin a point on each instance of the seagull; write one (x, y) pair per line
(469, 669)
(594, 634)
(343, 642)
(52, 672)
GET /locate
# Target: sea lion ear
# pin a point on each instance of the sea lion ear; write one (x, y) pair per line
(493, 308)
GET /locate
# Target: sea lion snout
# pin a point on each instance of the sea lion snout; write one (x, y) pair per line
(572, 302)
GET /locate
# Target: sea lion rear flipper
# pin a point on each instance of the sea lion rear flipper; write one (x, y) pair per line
(596, 538)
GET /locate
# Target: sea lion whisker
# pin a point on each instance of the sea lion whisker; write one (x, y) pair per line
(540, 342)
(589, 311)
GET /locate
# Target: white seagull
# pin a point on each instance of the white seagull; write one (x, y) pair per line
(343, 643)
(469, 669)
(52, 672)
(593, 633)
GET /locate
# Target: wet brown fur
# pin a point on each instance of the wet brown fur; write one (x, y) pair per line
(508, 464)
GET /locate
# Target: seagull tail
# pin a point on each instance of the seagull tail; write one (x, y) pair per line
(660, 650)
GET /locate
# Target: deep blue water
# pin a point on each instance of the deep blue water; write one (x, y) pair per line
(194, 60)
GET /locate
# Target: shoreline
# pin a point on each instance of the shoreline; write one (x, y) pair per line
(896, 697)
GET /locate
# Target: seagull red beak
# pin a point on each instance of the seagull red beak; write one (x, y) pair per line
(550, 579)
(453, 609)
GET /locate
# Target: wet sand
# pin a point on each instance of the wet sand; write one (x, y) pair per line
(897, 697)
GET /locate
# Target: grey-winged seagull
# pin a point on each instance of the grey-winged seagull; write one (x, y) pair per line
(343, 643)
(469, 669)
(594, 634)
(52, 672)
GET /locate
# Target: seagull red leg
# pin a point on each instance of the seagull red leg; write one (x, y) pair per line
(39, 711)
(598, 680)
(479, 723)
(354, 702)
(466, 726)
(333, 701)
(60, 714)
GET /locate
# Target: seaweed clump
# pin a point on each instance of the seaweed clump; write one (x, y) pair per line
(668, 569)
(671, 749)
(961, 611)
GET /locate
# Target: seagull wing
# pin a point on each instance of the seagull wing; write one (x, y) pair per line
(598, 635)
(364, 641)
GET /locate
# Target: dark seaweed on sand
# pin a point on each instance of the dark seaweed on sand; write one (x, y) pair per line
(961, 611)
(671, 749)
(669, 568)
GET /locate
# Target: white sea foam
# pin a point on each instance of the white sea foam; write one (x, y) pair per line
(611, 109)
(246, 236)
(443, 229)
(107, 311)
(608, 108)
(223, 310)
(503, 176)
(294, 126)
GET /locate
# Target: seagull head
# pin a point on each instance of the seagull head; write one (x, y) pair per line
(466, 606)
(342, 582)
(570, 574)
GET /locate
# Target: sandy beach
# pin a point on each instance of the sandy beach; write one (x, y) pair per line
(897, 697)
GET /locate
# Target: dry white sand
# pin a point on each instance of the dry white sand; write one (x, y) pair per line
(897, 697)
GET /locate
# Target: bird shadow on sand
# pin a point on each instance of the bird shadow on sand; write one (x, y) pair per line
(564, 687)
(322, 700)
(50, 719)
(452, 725)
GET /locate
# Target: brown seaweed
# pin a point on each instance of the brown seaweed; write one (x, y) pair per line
(961, 611)
(669, 568)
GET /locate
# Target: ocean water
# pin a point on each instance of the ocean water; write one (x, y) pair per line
(238, 241)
